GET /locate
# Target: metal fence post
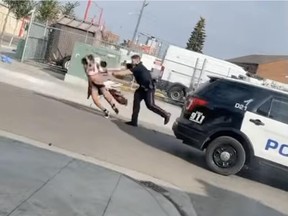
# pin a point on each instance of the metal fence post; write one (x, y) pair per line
(194, 74)
(28, 33)
(201, 73)
(229, 70)
(45, 29)
(86, 37)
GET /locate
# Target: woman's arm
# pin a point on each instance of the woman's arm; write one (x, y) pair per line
(104, 72)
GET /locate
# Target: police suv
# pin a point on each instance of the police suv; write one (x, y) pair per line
(234, 121)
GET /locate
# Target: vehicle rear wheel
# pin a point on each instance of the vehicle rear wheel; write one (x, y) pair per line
(176, 93)
(225, 156)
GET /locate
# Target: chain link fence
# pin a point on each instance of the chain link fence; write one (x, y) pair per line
(54, 43)
(48, 43)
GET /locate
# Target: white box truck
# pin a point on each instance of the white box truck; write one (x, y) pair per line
(186, 70)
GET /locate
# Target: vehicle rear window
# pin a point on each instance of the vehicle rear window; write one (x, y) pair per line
(227, 92)
(279, 111)
(264, 109)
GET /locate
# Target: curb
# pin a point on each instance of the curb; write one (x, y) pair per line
(148, 182)
(183, 209)
(133, 174)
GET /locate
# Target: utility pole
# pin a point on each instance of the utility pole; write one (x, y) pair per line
(138, 22)
(100, 16)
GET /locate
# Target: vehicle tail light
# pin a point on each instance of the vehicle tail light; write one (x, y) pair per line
(193, 102)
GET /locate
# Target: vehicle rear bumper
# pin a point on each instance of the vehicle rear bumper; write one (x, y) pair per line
(188, 135)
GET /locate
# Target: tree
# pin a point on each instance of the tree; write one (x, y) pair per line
(48, 11)
(197, 38)
(21, 11)
(68, 8)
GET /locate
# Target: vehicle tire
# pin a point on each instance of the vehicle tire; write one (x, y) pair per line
(176, 93)
(225, 156)
(66, 62)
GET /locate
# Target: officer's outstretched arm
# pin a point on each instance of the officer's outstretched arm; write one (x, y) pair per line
(122, 73)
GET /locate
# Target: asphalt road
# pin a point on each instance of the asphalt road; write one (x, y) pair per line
(261, 191)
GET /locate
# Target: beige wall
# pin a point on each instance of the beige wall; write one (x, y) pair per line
(275, 71)
(12, 22)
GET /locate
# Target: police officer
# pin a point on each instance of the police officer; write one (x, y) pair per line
(146, 90)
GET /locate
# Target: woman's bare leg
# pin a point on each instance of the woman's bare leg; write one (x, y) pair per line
(96, 100)
(109, 98)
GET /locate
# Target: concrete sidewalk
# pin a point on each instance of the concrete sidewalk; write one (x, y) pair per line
(35, 181)
(35, 79)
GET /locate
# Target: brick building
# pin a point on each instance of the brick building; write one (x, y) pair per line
(267, 66)
(110, 37)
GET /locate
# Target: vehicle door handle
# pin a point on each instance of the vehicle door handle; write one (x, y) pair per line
(257, 122)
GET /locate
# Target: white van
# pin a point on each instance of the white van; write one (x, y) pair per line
(185, 69)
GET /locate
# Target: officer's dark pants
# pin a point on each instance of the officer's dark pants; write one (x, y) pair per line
(148, 96)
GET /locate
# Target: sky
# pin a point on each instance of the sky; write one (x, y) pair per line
(233, 28)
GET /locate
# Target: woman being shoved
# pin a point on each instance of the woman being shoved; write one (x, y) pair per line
(96, 85)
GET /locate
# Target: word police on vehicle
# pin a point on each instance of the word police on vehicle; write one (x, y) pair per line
(274, 145)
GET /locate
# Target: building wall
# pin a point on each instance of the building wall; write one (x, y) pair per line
(275, 71)
(12, 22)
(110, 37)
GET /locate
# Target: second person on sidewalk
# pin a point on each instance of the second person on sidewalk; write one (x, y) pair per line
(146, 90)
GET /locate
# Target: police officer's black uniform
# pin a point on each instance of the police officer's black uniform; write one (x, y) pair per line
(145, 92)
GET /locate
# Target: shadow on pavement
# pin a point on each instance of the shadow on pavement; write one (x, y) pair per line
(218, 201)
(267, 175)
(260, 173)
(73, 104)
(54, 71)
(163, 142)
